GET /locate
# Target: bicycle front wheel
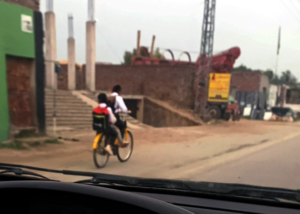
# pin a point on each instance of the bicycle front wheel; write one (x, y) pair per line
(100, 156)
(125, 153)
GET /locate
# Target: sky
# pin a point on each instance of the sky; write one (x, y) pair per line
(250, 25)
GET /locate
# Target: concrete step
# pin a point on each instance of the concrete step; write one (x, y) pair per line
(70, 111)
(59, 95)
(64, 106)
(67, 114)
(58, 121)
(82, 119)
(51, 98)
(58, 92)
(64, 102)
(84, 125)
(64, 118)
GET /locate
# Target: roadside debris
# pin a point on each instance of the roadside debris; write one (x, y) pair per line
(282, 114)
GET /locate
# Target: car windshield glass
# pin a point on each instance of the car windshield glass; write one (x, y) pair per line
(199, 95)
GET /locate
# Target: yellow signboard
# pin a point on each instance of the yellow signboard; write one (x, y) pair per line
(219, 87)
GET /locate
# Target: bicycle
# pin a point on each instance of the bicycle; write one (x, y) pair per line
(102, 139)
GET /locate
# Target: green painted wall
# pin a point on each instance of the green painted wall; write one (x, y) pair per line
(13, 41)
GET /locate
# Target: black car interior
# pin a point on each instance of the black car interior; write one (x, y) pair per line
(26, 194)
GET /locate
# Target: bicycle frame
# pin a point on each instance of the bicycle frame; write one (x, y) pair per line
(96, 140)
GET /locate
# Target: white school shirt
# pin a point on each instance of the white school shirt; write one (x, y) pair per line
(119, 103)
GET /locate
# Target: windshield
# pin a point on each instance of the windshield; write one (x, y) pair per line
(201, 91)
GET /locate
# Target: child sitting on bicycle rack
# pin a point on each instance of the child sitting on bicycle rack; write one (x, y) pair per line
(104, 121)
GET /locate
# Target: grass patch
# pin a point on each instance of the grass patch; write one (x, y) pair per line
(28, 133)
(13, 145)
(35, 144)
(296, 119)
(54, 141)
(20, 145)
(247, 117)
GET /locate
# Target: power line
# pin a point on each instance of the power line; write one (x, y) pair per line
(294, 6)
(109, 46)
(283, 3)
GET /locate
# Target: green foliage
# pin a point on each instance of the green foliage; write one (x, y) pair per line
(158, 55)
(127, 58)
(14, 145)
(28, 133)
(286, 77)
(53, 141)
(242, 68)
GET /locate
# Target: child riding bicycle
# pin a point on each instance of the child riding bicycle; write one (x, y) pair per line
(118, 106)
(104, 120)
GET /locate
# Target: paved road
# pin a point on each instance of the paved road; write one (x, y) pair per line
(184, 154)
(276, 166)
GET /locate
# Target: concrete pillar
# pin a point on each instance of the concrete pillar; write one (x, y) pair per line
(50, 45)
(152, 46)
(138, 45)
(71, 64)
(90, 55)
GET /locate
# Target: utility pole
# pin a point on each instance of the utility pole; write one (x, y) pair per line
(206, 51)
(71, 55)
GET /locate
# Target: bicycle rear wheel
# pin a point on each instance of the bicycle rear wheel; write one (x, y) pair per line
(125, 153)
(100, 156)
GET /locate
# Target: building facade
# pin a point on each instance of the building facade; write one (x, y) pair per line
(251, 89)
(21, 67)
(30, 4)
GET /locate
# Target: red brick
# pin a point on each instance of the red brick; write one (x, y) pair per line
(18, 83)
(172, 84)
(246, 80)
(31, 4)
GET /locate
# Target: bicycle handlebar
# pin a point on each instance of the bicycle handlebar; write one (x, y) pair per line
(120, 112)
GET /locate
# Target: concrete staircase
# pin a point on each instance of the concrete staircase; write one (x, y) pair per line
(71, 112)
(126, 117)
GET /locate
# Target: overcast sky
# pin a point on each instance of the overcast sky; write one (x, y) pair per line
(250, 25)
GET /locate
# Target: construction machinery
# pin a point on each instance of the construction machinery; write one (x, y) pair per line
(219, 68)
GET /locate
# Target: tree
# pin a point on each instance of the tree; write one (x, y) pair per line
(269, 74)
(288, 78)
(242, 68)
(158, 55)
(127, 58)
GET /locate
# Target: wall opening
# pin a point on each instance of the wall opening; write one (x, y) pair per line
(132, 105)
(160, 115)
(19, 82)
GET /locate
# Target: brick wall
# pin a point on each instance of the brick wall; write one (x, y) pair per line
(173, 84)
(246, 80)
(31, 4)
(158, 116)
(18, 83)
(80, 79)
(62, 78)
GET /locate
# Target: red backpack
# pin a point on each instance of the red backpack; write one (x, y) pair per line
(100, 119)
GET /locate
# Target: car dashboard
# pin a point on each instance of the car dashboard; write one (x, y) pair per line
(37, 197)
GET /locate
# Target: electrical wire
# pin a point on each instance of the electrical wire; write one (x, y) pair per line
(283, 3)
(294, 6)
(110, 47)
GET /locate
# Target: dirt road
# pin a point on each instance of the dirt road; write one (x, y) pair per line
(159, 152)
